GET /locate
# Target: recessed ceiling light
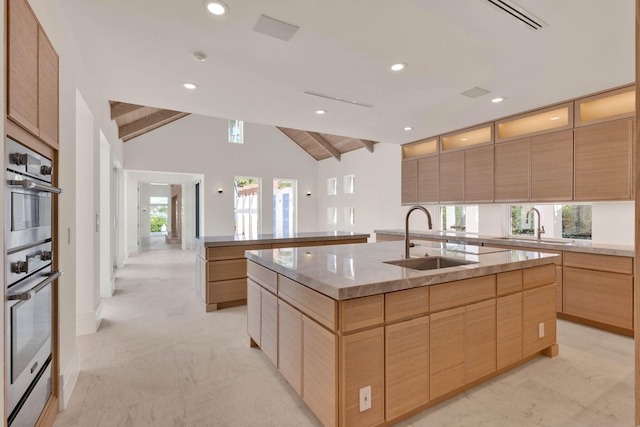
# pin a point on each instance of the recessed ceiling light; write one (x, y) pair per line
(321, 112)
(496, 100)
(555, 118)
(199, 56)
(216, 7)
(398, 66)
(408, 128)
(190, 86)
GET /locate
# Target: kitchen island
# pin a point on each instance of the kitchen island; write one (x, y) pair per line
(366, 342)
(221, 267)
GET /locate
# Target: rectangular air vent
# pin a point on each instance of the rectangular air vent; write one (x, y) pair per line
(516, 12)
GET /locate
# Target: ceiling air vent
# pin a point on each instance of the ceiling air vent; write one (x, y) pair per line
(528, 19)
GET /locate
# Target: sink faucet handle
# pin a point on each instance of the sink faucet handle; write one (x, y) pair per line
(541, 229)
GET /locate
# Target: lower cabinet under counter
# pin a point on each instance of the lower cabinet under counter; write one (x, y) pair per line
(332, 351)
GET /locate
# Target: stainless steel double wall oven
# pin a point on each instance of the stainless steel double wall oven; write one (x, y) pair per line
(29, 281)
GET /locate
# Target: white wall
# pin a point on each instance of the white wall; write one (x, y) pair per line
(613, 223)
(198, 145)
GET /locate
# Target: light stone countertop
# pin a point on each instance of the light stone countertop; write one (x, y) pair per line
(239, 240)
(585, 246)
(352, 271)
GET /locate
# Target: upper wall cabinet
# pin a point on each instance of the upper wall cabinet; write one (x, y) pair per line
(420, 172)
(603, 161)
(409, 182)
(550, 119)
(512, 160)
(611, 105)
(552, 167)
(32, 91)
(451, 176)
(428, 178)
(477, 135)
(424, 147)
(478, 175)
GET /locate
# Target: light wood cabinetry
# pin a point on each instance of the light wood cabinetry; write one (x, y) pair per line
(480, 339)
(290, 345)
(603, 161)
(509, 329)
(512, 160)
(611, 105)
(478, 175)
(320, 372)
(269, 325)
(451, 177)
(446, 352)
(32, 96)
(428, 175)
(221, 271)
(552, 167)
(413, 348)
(541, 121)
(406, 366)
(409, 182)
(362, 365)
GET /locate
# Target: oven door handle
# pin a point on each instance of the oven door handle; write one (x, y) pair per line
(32, 292)
(33, 185)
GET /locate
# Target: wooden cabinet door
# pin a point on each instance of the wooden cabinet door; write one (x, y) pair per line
(599, 296)
(23, 65)
(320, 371)
(253, 311)
(451, 178)
(603, 161)
(47, 91)
(512, 171)
(428, 168)
(538, 307)
(480, 339)
(446, 342)
(362, 365)
(509, 329)
(409, 182)
(269, 325)
(478, 174)
(552, 167)
(290, 345)
(407, 366)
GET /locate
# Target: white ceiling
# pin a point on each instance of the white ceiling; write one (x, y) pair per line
(140, 52)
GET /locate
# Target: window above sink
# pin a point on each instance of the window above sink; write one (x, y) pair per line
(560, 222)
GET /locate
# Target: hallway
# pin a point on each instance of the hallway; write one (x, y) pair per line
(160, 360)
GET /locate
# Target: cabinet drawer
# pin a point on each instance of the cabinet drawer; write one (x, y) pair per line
(296, 244)
(406, 304)
(315, 305)
(226, 270)
(344, 242)
(232, 252)
(361, 313)
(541, 275)
(598, 296)
(461, 292)
(226, 290)
(509, 282)
(263, 276)
(614, 264)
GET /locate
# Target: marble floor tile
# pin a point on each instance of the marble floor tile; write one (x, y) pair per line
(160, 360)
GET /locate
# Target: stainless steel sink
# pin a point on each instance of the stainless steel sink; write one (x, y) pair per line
(554, 242)
(429, 263)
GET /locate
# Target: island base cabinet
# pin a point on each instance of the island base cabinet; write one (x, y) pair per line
(362, 362)
(269, 325)
(509, 329)
(539, 319)
(446, 344)
(290, 345)
(407, 366)
(320, 372)
(253, 311)
(480, 340)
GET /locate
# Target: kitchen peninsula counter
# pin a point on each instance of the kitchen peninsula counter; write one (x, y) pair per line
(369, 343)
(221, 267)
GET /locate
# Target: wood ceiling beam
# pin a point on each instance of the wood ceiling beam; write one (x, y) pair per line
(367, 144)
(120, 109)
(324, 144)
(149, 122)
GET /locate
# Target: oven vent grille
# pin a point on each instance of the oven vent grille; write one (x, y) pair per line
(516, 12)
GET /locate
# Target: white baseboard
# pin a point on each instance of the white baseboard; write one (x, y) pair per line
(69, 378)
(107, 288)
(89, 322)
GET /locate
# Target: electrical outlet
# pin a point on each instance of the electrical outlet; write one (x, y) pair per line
(365, 398)
(541, 330)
